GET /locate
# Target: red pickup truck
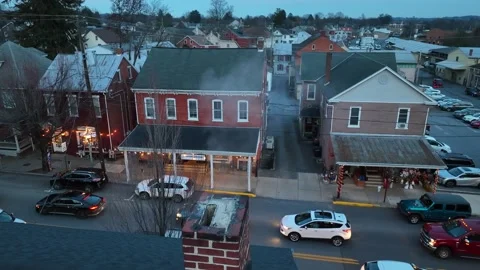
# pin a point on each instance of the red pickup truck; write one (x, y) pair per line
(460, 237)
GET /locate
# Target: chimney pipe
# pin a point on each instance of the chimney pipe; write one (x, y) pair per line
(328, 67)
(470, 53)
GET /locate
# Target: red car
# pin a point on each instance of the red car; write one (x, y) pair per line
(475, 124)
(437, 83)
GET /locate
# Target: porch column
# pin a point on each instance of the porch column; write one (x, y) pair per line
(16, 143)
(211, 171)
(249, 172)
(174, 156)
(127, 169)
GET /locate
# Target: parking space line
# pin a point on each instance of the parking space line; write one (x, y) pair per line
(130, 198)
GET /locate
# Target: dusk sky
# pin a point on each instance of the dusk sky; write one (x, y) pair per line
(351, 8)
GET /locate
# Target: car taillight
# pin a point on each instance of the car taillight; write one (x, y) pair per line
(37, 206)
(347, 230)
(93, 207)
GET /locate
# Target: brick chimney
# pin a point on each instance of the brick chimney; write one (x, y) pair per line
(216, 235)
(470, 53)
(328, 67)
(260, 44)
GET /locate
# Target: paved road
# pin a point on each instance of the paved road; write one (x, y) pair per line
(292, 153)
(377, 233)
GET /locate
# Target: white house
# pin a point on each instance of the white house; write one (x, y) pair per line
(236, 24)
(301, 37)
(282, 57)
(101, 37)
(215, 39)
(285, 36)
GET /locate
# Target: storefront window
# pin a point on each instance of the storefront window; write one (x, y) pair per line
(86, 137)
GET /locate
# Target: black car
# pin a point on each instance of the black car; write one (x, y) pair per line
(88, 179)
(453, 160)
(475, 92)
(461, 113)
(76, 203)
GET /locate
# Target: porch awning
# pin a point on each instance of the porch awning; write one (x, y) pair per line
(454, 65)
(193, 140)
(385, 151)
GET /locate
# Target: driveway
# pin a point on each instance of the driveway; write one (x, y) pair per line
(293, 154)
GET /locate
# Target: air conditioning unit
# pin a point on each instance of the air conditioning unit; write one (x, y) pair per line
(401, 126)
(270, 142)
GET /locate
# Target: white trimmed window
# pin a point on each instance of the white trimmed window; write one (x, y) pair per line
(192, 109)
(354, 117)
(217, 110)
(96, 106)
(119, 74)
(130, 74)
(242, 111)
(171, 108)
(72, 105)
(50, 104)
(149, 107)
(402, 118)
(311, 91)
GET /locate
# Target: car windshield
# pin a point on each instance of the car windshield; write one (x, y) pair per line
(454, 228)
(152, 182)
(303, 218)
(455, 171)
(426, 201)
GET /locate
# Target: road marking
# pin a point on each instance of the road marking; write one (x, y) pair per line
(131, 198)
(313, 257)
(442, 130)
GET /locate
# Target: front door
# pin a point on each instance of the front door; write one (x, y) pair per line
(435, 213)
(470, 246)
(312, 229)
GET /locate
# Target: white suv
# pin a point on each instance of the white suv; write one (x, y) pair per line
(389, 265)
(319, 224)
(176, 187)
(438, 146)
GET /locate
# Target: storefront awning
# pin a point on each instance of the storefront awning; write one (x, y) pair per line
(454, 65)
(385, 151)
(193, 140)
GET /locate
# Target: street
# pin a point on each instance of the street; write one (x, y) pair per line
(378, 233)
(293, 154)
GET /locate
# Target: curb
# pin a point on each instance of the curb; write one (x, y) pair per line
(26, 173)
(458, 191)
(249, 194)
(357, 204)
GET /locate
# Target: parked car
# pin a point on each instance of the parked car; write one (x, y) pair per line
(178, 188)
(425, 87)
(435, 207)
(451, 107)
(475, 92)
(453, 160)
(460, 176)
(435, 96)
(432, 92)
(438, 146)
(471, 117)
(9, 218)
(448, 100)
(317, 224)
(389, 265)
(460, 237)
(76, 203)
(437, 83)
(87, 179)
(475, 124)
(461, 113)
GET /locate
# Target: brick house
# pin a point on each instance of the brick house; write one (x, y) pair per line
(195, 41)
(216, 236)
(110, 77)
(437, 36)
(369, 116)
(247, 37)
(20, 69)
(213, 104)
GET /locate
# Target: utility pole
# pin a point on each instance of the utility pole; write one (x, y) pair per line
(89, 97)
(419, 62)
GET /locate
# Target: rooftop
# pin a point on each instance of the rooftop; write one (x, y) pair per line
(106, 35)
(475, 51)
(447, 198)
(412, 45)
(282, 49)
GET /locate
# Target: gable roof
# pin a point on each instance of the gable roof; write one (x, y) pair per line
(200, 40)
(283, 31)
(66, 73)
(202, 69)
(174, 34)
(446, 50)
(282, 49)
(254, 32)
(106, 35)
(299, 46)
(475, 51)
(33, 246)
(16, 61)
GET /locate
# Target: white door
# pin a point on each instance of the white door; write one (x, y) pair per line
(312, 230)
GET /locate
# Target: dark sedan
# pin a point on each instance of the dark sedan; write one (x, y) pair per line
(474, 92)
(75, 203)
(461, 113)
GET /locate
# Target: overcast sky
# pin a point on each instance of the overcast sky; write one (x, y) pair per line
(352, 8)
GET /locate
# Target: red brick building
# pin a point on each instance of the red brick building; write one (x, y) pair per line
(216, 106)
(247, 37)
(317, 43)
(195, 42)
(437, 36)
(110, 77)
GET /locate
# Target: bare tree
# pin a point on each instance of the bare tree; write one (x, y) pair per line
(155, 215)
(38, 112)
(218, 9)
(124, 13)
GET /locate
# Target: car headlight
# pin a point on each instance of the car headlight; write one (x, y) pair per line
(432, 242)
(179, 215)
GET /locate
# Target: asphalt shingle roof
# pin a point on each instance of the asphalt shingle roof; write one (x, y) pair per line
(27, 246)
(195, 138)
(385, 151)
(202, 69)
(106, 35)
(446, 50)
(18, 63)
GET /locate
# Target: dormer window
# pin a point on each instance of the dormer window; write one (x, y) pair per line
(313, 47)
(330, 47)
